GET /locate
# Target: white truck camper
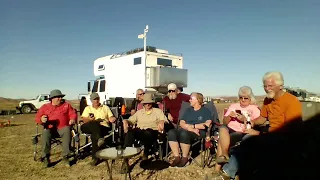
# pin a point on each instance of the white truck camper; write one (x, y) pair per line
(120, 75)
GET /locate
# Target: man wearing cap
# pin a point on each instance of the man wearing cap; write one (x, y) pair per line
(56, 117)
(149, 122)
(173, 102)
(97, 119)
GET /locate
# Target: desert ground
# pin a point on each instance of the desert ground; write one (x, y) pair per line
(16, 159)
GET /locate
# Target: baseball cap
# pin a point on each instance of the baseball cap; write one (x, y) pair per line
(94, 96)
(172, 86)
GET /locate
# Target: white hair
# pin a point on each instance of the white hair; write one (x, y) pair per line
(246, 90)
(277, 76)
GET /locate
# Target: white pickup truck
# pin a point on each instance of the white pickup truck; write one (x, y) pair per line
(26, 107)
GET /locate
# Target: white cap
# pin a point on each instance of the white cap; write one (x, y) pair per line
(172, 86)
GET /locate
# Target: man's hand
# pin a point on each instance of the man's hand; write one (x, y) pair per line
(161, 126)
(251, 132)
(170, 117)
(72, 121)
(44, 118)
(112, 119)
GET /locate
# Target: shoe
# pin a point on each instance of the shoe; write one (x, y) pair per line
(183, 162)
(100, 142)
(176, 161)
(66, 161)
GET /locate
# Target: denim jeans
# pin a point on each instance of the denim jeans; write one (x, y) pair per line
(232, 167)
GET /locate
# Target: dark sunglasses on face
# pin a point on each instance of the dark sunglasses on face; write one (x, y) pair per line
(171, 91)
(243, 98)
(141, 94)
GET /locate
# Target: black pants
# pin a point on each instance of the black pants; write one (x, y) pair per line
(96, 131)
(147, 137)
(183, 136)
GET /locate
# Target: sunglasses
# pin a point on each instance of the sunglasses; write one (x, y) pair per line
(171, 91)
(245, 98)
(141, 94)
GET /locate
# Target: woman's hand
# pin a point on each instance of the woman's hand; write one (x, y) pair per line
(196, 131)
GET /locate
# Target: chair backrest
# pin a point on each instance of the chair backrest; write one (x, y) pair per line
(184, 107)
(114, 111)
(214, 113)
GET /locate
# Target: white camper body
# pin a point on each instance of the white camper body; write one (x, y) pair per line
(120, 75)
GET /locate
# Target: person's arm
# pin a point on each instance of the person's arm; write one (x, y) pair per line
(227, 116)
(72, 114)
(262, 118)
(110, 117)
(162, 117)
(39, 114)
(293, 111)
(185, 97)
(85, 115)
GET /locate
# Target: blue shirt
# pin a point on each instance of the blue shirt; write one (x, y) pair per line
(196, 117)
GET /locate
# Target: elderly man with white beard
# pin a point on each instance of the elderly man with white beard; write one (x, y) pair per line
(280, 108)
(173, 102)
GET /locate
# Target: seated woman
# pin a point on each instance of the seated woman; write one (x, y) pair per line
(149, 122)
(192, 125)
(235, 120)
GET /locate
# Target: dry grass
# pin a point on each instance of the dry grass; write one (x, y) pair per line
(16, 159)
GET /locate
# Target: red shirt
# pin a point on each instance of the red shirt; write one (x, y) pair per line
(58, 116)
(174, 105)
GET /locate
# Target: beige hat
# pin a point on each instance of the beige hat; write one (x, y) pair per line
(94, 96)
(172, 86)
(147, 98)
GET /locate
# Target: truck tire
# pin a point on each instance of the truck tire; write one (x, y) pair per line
(26, 109)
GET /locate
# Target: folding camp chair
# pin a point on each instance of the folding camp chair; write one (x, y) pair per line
(206, 155)
(55, 141)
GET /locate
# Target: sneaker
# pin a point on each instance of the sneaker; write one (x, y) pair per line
(183, 162)
(66, 161)
(100, 142)
(175, 161)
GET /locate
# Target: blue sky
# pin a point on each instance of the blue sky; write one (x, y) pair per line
(226, 44)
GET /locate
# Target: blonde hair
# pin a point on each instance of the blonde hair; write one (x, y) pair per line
(278, 77)
(246, 90)
(199, 97)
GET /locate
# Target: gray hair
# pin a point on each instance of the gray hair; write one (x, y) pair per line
(278, 77)
(246, 90)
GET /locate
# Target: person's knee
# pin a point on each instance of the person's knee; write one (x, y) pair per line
(185, 137)
(223, 129)
(172, 135)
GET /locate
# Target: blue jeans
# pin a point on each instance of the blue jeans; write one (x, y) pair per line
(232, 167)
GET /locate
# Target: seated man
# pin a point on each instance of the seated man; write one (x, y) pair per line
(56, 117)
(234, 123)
(96, 122)
(192, 125)
(136, 103)
(279, 107)
(173, 101)
(149, 122)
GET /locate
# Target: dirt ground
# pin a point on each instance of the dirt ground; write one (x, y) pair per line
(16, 159)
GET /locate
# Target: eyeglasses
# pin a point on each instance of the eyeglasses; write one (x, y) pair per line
(245, 98)
(171, 91)
(141, 94)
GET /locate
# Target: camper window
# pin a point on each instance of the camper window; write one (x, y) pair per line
(164, 62)
(102, 87)
(95, 86)
(137, 61)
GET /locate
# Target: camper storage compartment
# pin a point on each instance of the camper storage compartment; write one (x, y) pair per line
(162, 76)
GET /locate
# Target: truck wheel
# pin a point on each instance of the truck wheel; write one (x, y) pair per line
(26, 109)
